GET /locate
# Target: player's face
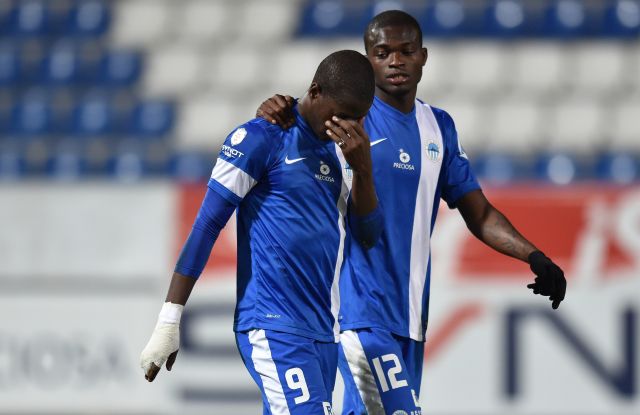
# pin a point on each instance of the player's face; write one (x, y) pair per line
(397, 58)
(324, 108)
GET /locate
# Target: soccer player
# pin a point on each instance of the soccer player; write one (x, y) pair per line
(296, 192)
(417, 160)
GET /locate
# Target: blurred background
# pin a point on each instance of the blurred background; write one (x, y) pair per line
(111, 116)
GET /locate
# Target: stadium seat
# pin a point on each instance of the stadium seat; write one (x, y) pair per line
(238, 69)
(565, 18)
(296, 64)
(577, 126)
(32, 114)
(66, 162)
(440, 74)
(623, 19)
(539, 68)
(153, 118)
(5, 17)
(204, 21)
(327, 18)
(9, 66)
(470, 120)
(517, 125)
(140, 23)
(560, 168)
(120, 68)
(598, 67)
(89, 18)
(30, 18)
(191, 167)
(625, 126)
(506, 18)
(207, 120)
(173, 71)
(93, 116)
(482, 67)
(12, 165)
(264, 22)
(62, 65)
(621, 168)
(446, 18)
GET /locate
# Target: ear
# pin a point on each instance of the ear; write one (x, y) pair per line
(425, 54)
(314, 91)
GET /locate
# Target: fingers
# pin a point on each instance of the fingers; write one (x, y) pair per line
(274, 112)
(152, 372)
(338, 135)
(283, 106)
(171, 360)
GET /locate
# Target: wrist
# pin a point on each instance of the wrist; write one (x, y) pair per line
(170, 313)
(535, 256)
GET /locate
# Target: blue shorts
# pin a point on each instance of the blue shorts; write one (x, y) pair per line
(296, 375)
(381, 372)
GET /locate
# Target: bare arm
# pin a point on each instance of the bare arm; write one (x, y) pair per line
(490, 226)
(180, 289)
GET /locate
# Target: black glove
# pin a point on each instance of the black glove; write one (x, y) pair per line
(550, 281)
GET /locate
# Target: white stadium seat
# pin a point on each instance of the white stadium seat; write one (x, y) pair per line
(469, 118)
(538, 67)
(440, 74)
(266, 21)
(175, 71)
(516, 125)
(577, 126)
(203, 21)
(206, 121)
(482, 67)
(295, 65)
(237, 69)
(598, 67)
(141, 22)
(625, 125)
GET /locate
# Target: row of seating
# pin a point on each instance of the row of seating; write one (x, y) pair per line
(96, 113)
(33, 18)
(133, 160)
(67, 62)
(481, 18)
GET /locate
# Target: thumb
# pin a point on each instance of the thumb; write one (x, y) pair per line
(171, 360)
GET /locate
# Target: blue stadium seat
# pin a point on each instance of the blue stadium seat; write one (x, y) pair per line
(90, 18)
(5, 17)
(127, 166)
(9, 66)
(12, 165)
(447, 18)
(120, 68)
(565, 18)
(191, 167)
(559, 169)
(325, 18)
(30, 18)
(497, 168)
(93, 116)
(153, 119)
(66, 163)
(62, 65)
(621, 168)
(32, 115)
(622, 19)
(507, 18)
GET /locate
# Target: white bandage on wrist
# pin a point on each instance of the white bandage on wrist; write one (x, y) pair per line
(170, 313)
(165, 338)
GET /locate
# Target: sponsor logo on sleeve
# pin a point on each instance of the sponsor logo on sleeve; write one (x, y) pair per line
(237, 136)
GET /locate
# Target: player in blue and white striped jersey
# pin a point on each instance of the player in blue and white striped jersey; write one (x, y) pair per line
(417, 160)
(296, 192)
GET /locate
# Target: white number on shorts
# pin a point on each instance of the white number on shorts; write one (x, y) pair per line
(391, 373)
(295, 380)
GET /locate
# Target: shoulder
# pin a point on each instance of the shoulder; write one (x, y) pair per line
(257, 127)
(444, 119)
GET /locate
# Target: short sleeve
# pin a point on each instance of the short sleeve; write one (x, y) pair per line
(457, 178)
(244, 158)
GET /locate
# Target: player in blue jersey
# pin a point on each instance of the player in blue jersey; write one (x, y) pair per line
(417, 160)
(296, 193)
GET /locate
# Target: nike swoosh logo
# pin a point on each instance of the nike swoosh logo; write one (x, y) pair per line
(289, 161)
(373, 143)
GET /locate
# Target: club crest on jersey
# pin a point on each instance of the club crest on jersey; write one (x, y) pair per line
(324, 173)
(405, 158)
(237, 136)
(433, 151)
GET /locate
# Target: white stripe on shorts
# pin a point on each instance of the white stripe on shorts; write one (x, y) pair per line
(361, 372)
(266, 368)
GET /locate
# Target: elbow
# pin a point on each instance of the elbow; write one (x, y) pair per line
(367, 230)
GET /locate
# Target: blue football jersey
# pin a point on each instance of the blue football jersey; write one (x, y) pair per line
(417, 160)
(292, 201)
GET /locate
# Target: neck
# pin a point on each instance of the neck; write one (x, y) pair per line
(403, 103)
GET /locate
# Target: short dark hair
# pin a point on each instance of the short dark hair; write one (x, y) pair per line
(391, 18)
(347, 77)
